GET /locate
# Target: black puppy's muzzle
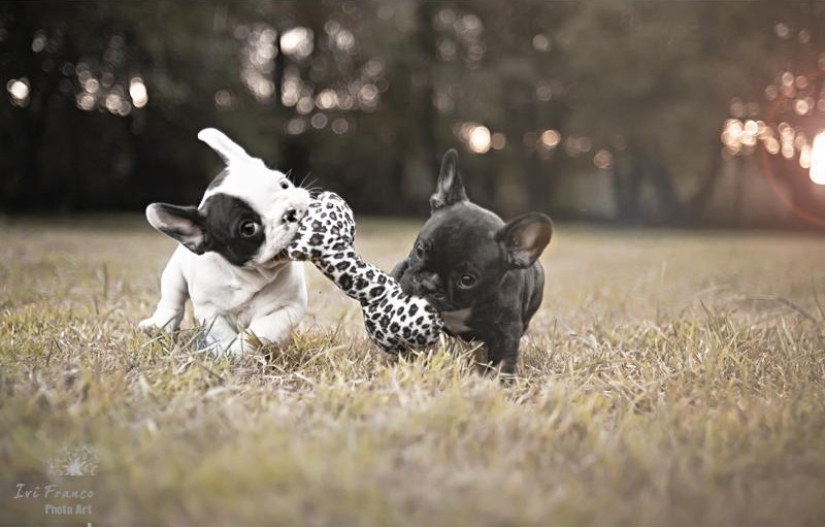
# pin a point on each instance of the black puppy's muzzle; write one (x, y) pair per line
(429, 284)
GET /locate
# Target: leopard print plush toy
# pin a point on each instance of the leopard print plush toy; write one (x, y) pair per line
(395, 321)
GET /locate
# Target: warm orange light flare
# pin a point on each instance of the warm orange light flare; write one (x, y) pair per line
(817, 172)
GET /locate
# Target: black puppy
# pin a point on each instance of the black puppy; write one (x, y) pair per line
(480, 273)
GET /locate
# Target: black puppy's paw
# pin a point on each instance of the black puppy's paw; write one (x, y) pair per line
(507, 377)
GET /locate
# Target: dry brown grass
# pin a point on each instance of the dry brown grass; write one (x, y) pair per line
(671, 378)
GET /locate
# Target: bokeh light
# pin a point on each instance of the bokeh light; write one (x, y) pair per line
(541, 43)
(296, 126)
(550, 139)
(498, 141)
(138, 92)
(307, 92)
(476, 137)
(817, 160)
(340, 126)
(19, 90)
(479, 139)
(319, 121)
(223, 99)
(298, 43)
(603, 159)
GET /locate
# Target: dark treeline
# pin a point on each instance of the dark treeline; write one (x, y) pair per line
(629, 111)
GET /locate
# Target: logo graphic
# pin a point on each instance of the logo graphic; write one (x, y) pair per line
(65, 492)
(74, 460)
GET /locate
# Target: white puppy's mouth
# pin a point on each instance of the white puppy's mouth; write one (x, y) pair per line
(281, 256)
(292, 216)
(289, 223)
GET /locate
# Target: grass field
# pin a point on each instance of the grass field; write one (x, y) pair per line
(670, 378)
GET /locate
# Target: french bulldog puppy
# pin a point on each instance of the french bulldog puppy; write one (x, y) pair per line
(229, 261)
(480, 273)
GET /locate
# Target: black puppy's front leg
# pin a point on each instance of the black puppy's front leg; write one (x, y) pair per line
(502, 348)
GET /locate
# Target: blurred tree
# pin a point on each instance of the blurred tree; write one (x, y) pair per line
(77, 109)
(651, 87)
(103, 100)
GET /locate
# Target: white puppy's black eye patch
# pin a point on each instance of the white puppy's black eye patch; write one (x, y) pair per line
(234, 229)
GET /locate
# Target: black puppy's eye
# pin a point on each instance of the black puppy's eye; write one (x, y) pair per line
(285, 184)
(467, 281)
(249, 228)
(419, 250)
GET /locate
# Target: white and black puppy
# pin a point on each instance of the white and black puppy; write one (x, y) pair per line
(229, 259)
(480, 273)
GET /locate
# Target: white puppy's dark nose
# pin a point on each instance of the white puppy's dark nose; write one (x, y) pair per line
(291, 216)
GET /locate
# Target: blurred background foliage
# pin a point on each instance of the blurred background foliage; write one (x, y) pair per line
(682, 113)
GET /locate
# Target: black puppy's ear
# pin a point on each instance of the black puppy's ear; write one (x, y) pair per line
(185, 224)
(449, 189)
(524, 238)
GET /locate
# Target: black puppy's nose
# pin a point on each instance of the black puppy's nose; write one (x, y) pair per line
(291, 216)
(429, 282)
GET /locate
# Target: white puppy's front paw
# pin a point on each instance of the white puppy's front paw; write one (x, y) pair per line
(235, 348)
(151, 326)
(163, 319)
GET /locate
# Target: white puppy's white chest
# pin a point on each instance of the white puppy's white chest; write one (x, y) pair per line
(229, 290)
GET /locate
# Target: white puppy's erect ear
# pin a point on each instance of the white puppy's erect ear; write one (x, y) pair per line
(228, 149)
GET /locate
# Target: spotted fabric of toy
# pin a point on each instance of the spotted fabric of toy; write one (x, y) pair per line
(395, 321)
